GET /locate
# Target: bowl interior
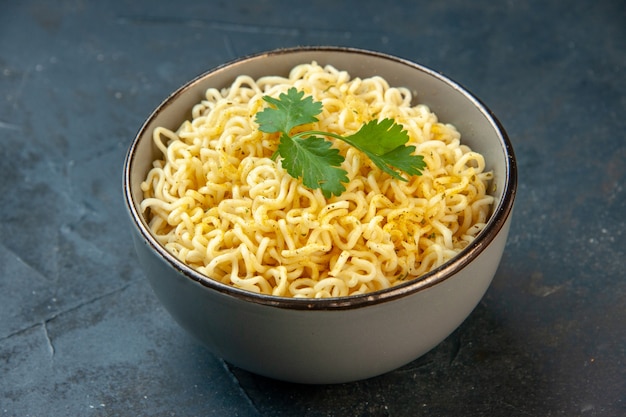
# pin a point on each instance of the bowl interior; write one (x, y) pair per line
(451, 102)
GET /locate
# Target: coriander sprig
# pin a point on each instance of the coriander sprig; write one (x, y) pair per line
(309, 156)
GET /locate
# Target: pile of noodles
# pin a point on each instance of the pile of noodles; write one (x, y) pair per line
(219, 203)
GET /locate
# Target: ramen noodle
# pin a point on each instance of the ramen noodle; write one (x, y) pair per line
(220, 203)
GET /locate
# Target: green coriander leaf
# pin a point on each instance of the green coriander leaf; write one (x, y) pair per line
(384, 143)
(288, 111)
(309, 156)
(380, 137)
(315, 161)
(401, 158)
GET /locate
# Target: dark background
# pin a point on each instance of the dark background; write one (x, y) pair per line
(81, 333)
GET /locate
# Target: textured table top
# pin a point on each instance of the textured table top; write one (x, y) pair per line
(81, 333)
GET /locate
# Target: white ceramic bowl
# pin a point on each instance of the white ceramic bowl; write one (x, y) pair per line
(338, 339)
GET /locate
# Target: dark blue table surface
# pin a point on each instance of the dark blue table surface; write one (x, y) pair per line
(81, 333)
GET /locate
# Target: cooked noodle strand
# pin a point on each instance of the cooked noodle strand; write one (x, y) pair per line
(220, 203)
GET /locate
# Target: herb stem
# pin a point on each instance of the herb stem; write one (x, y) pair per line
(301, 135)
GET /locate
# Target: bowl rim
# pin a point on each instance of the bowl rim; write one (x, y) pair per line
(496, 222)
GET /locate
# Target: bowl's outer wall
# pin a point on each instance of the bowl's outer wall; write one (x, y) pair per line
(321, 346)
(334, 345)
